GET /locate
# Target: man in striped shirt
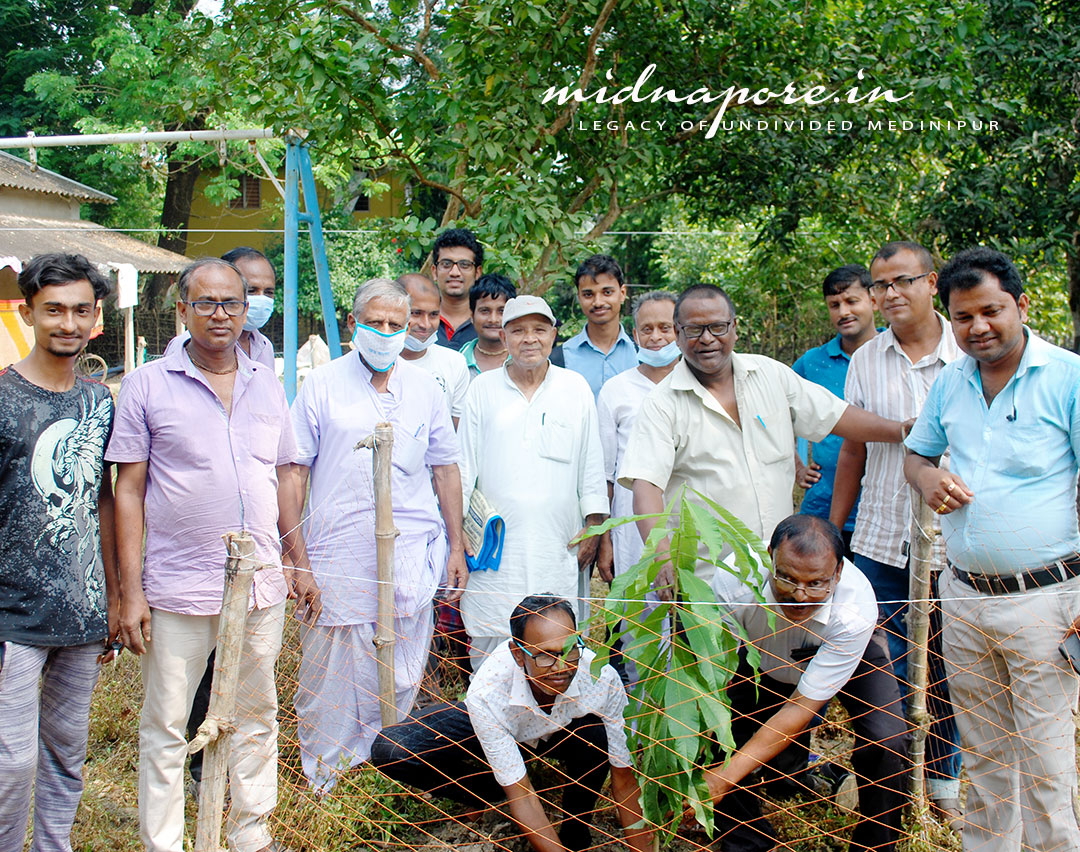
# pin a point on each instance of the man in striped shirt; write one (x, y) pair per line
(891, 376)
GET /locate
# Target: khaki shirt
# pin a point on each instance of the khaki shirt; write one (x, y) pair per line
(683, 436)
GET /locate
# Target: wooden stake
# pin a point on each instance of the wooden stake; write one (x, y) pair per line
(215, 732)
(922, 554)
(385, 533)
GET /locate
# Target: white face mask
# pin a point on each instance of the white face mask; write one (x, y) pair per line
(414, 345)
(658, 357)
(259, 310)
(378, 349)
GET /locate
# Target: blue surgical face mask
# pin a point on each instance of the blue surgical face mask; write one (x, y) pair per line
(377, 348)
(659, 357)
(414, 345)
(259, 310)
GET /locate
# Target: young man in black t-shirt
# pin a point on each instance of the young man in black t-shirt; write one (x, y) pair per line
(58, 581)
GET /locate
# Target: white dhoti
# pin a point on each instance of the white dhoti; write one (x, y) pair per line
(337, 700)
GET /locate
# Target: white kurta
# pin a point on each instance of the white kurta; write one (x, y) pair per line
(616, 409)
(337, 406)
(539, 463)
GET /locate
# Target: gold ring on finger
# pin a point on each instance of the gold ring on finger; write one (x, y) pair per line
(940, 509)
(950, 487)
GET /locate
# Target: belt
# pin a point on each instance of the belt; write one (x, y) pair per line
(1008, 584)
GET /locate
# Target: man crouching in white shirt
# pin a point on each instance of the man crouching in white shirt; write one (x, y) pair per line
(817, 636)
(534, 696)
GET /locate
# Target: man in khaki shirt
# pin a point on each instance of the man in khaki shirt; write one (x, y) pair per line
(724, 423)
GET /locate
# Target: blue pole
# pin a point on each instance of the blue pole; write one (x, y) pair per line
(292, 225)
(318, 251)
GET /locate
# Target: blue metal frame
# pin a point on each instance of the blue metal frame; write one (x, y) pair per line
(298, 174)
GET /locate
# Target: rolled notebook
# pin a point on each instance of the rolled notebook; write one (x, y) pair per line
(485, 532)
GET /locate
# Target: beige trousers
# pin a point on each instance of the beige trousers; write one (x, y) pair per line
(171, 670)
(1015, 695)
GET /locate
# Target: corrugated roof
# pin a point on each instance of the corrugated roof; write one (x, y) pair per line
(19, 174)
(25, 237)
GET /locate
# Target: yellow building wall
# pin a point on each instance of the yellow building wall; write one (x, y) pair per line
(215, 229)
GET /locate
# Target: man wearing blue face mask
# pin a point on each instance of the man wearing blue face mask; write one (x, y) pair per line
(337, 702)
(617, 407)
(446, 365)
(261, 281)
(261, 284)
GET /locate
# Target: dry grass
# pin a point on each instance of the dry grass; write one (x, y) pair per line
(367, 810)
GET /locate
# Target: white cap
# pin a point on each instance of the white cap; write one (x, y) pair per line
(523, 306)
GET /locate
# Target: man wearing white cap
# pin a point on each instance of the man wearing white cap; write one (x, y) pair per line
(531, 445)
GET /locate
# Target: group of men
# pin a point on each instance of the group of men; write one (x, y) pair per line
(205, 442)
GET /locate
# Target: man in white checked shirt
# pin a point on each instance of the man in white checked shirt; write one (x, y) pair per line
(535, 696)
(891, 376)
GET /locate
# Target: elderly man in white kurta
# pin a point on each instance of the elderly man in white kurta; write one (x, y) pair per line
(530, 444)
(337, 701)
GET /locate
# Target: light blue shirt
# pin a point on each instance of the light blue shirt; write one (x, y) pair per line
(1019, 457)
(582, 356)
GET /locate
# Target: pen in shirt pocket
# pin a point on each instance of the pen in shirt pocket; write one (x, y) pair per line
(762, 422)
(419, 428)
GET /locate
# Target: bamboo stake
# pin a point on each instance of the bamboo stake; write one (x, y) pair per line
(214, 733)
(922, 543)
(382, 442)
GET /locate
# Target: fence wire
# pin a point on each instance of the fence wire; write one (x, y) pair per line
(809, 800)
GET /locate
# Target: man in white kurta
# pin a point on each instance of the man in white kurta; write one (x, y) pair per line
(447, 366)
(530, 444)
(337, 701)
(617, 407)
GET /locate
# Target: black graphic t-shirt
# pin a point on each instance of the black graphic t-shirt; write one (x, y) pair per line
(52, 446)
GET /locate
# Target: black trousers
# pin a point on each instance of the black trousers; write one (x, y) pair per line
(199, 705)
(880, 757)
(436, 750)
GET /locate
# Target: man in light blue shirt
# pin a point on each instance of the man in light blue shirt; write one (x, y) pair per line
(851, 311)
(602, 349)
(1009, 414)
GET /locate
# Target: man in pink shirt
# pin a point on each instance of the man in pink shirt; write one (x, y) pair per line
(204, 446)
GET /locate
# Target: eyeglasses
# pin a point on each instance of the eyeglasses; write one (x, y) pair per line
(446, 265)
(545, 660)
(716, 329)
(900, 284)
(207, 308)
(815, 590)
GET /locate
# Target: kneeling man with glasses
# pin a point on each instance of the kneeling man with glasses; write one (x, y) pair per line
(817, 637)
(535, 696)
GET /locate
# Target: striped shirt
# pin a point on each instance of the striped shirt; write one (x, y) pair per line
(882, 379)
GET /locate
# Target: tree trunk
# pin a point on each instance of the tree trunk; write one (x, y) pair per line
(179, 192)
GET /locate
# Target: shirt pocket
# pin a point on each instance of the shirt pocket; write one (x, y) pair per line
(773, 440)
(265, 436)
(409, 452)
(1023, 450)
(556, 440)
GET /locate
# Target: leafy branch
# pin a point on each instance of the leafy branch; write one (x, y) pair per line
(686, 650)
